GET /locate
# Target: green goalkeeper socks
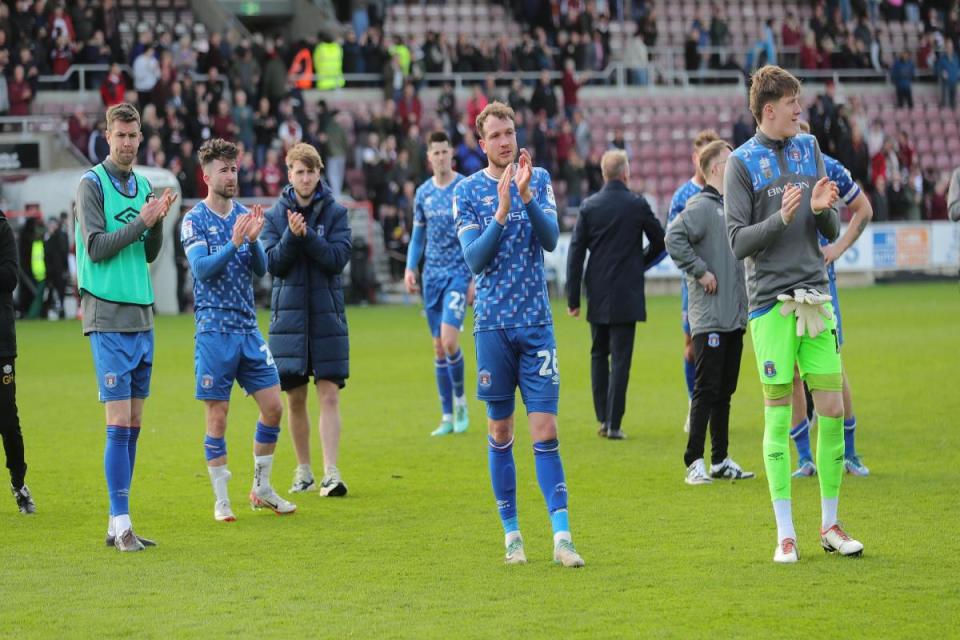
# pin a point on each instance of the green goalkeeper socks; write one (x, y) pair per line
(830, 455)
(776, 450)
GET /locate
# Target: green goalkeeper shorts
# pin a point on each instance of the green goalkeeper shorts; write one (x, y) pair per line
(778, 348)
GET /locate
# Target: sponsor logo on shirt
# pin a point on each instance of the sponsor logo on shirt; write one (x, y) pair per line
(775, 191)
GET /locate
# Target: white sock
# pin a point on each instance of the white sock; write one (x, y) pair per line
(121, 523)
(460, 401)
(828, 508)
(446, 417)
(262, 466)
(305, 470)
(110, 529)
(510, 537)
(331, 470)
(783, 510)
(561, 535)
(218, 478)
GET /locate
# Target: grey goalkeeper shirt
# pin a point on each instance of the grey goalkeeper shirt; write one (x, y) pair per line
(98, 314)
(777, 257)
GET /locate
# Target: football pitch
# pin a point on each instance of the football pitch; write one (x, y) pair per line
(415, 549)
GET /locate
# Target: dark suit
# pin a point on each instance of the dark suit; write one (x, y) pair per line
(611, 226)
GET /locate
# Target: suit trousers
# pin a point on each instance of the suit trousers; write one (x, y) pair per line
(610, 358)
(717, 362)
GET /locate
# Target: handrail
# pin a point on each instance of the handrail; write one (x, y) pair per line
(83, 70)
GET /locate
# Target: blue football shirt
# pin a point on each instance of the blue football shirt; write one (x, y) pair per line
(848, 193)
(512, 289)
(433, 209)
(223, 303)
(677, 204)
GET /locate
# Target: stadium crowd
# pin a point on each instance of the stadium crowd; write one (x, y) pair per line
(192, 85)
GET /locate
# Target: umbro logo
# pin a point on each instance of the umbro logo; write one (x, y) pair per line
(126, 216)
(776, 455)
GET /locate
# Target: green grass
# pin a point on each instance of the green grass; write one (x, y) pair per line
(415, 550)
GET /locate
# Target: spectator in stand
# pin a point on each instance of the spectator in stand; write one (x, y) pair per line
(60, 24)
(898, 199)
(913, 186)
(290, 132)
(242, 114)
(901, 74)
(97, 146)
(475, 104)
(114, 87)
(470, 158)
(857, 159)
(20, 94)
(61, 57)
(146, 73)
(78, 128)
(948, 73)
(581, 134)
(719, 37)
(649, 30)
(570, 85)
(637, 59)
(792, 39)
(691, 50)
(574, 175)
(271, 177)
(447, 107)
(264, 130)
(879, 201)
(544, 98)
(409, 109)
(810, 57)
(516, 97)
(937, 201)
(906, 153)
(223, 124)
(885, 164)
(564, 145)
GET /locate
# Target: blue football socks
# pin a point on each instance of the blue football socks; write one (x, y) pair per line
(546, 457)
(455, 369)
(849, 427)
(503, 475)
(116, 464)
(445, 386)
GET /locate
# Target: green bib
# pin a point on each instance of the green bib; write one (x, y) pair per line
(124, 278)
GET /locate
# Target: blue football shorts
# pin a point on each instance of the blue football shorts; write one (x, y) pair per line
(445, 301)
(524, 357)
(123, 362)
(222, 358)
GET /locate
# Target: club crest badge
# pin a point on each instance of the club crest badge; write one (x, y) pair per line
(206, 381)
(713, 340)
(483, 378)
(110, 380)
(769, 369)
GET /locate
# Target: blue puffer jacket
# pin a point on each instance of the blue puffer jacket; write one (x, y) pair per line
(307, 312)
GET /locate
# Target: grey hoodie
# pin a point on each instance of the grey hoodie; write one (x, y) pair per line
(697, 242)
(778, 257)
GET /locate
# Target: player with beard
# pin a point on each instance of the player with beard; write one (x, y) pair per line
(220, 238)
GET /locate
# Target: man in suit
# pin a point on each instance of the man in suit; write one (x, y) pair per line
(611, 226)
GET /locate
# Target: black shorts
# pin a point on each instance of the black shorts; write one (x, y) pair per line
(292, 381)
